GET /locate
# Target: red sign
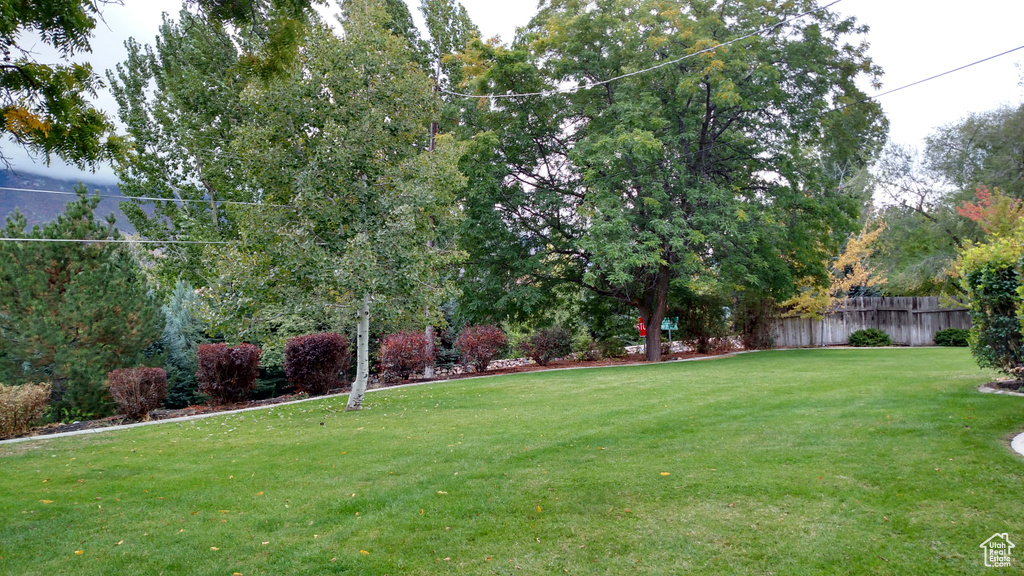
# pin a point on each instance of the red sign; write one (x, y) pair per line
(640, 326)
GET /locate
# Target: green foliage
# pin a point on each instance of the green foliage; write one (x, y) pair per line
(183, 332)
(370, 213)
(20, 406)
(72, 311)
(726, 164)
(45, 107)
(990, 275)
(952, 337)
(702, 316)
(613, 348)
(924, 232)
(137, 391)
(546, 344)
(180, 102)
(870, 337)
(754, 314)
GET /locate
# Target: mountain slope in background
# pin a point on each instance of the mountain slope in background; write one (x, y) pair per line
(41, 207)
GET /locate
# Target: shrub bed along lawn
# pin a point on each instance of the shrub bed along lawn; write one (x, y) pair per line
(790, 462)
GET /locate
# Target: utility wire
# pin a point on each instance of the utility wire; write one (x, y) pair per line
(113, 241)
(577, 88)
(150, 198)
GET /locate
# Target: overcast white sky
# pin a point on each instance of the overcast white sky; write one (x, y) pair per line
(910, 39)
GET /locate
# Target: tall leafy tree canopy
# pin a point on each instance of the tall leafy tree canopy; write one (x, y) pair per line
(727, 162)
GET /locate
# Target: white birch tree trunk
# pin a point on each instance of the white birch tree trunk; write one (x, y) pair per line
(355, 397)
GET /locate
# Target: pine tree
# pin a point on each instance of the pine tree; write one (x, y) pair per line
(71, 311)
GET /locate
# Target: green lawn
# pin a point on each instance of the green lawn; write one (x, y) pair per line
(789, 462)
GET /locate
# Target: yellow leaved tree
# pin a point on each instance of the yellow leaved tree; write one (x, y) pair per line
(848, 271)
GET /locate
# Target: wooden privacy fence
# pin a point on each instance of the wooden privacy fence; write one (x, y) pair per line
(909, 321)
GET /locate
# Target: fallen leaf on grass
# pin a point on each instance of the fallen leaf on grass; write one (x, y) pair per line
(47, 501)
(119, 542)
(214, 548)
(79, 552)
(259, 493)
(665, 473)
(442, 492)
(265, 543)
(363, 552)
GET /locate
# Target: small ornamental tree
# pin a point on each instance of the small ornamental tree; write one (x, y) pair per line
(478, 345)
(403, 354)
(313, 363)
(227, 374)
(137, 391)
(545, 345)
(991, 277)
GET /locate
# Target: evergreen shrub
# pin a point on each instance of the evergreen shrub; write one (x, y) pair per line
(227, 374)
(952, 337)
(20, 406)
(137, 391)
(314, 362)
(403, 354)
(547, 344)
(612, 348)
(870, 337)
(478, 345)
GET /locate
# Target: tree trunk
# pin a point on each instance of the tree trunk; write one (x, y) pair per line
(428, 371)
(653, 312)
(355, 397)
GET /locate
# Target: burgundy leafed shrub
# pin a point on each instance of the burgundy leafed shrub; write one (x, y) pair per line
(402, 354)
(137, 391)
(313, 362)
(478, 345)
(227, 374)
(547, 344)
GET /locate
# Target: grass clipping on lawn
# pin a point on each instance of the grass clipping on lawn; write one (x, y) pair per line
(789, 462)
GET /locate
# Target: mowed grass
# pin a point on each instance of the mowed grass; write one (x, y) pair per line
(789, 462)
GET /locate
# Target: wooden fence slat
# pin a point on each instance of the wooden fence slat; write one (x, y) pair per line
(909, 321)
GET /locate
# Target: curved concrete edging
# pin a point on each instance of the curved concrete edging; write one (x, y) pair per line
(250, 409)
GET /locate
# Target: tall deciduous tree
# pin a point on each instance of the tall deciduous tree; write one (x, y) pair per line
(180, 102)
(340, 141)
(71, 311)
(724, 161)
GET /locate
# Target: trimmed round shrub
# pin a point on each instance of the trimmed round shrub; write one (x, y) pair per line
(227, 374)
(403, 354)
(870, 337)
(613, 348)
(545, 345)
(952, 337)
(20, 406)
(137, 391)
(313, 363)
(478, 345)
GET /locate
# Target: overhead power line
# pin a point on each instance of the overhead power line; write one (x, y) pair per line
(113, 241)
(147, 198)
(577, 88)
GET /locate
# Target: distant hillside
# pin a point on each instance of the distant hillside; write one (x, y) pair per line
(41, 207)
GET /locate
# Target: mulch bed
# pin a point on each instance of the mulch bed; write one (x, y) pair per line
(164, 414)
(1009, 385)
